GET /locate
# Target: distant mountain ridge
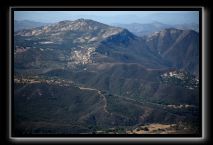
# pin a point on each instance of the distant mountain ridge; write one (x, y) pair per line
(146, 29)
(26, 24)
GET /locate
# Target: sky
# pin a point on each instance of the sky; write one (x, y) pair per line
(112, 17)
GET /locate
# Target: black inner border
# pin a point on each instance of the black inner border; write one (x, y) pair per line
(105, 9)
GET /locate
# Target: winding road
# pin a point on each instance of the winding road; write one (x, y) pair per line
(99, 92)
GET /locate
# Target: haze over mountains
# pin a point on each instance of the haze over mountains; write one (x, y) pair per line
(88, 77)
(148, 28)
(27, 24)
(139, 29)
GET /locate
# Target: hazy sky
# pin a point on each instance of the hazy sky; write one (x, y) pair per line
(111, 17)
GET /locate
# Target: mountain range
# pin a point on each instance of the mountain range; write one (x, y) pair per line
(89, 77)
(26, 24)
(141, 29)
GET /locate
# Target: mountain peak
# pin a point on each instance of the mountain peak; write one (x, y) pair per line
(90, 22)
(66, 26)
(83, 20)
(64, 22)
